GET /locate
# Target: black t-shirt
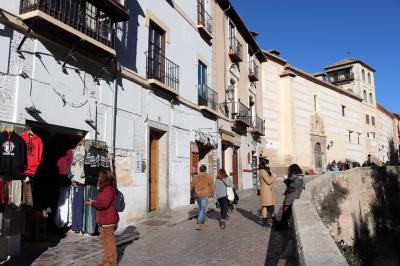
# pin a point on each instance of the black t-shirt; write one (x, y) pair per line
(13, 157)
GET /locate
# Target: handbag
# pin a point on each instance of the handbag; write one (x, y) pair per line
(236, 200)
(193, 196)
(229, 192)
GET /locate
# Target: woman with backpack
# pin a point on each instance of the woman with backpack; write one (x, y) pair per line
(294, 187)
(106, 215)
(267, 194)
(222, 184)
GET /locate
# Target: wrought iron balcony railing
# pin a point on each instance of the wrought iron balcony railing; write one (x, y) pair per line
(235, 50)
(204, 19)
(259, 126)
(80, 15)
(341, 77)
(237, 111)
(208, 97)
(159, 68)
(253, 71)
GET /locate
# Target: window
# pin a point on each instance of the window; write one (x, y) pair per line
(363, 74)
(365, 97)
(231, 30)
(373, 135)
(202, 82)
(343, 110)
(156, 59)
(369, 78)
(350, 135)
(367, 119)
(371, 98)
(367, 134)
(373, 120)
(315, 103)
(358, 137)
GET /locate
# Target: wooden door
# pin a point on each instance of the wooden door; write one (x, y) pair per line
(223, 157)
(153, 175)
(235, 168)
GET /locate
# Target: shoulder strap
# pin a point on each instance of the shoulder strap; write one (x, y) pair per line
(224, 182)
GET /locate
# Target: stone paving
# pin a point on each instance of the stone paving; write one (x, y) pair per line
(169, 238)
(243, 242)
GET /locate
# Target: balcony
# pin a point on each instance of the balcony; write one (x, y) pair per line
(253, 71)
(341, 77)
(235, 50)
(208, 99)
(78, 24)
(204, 21)
(162, 73)
(259, 126)
(237, 111)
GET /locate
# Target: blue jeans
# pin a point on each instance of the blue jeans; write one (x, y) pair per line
(202, 202)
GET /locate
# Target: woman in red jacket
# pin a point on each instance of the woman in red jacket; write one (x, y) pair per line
(106, 216)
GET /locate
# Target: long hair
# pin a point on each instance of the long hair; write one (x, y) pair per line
(294, 169)
(106, 177)
(222, 174)
(264, 165)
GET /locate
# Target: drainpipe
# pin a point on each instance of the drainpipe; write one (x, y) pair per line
(114, 113)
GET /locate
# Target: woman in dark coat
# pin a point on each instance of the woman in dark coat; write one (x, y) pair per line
(106, 216)
(294, 186)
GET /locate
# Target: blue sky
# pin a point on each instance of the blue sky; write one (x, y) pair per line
(312, 34)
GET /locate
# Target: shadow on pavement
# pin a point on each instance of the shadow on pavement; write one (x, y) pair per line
(249, 215)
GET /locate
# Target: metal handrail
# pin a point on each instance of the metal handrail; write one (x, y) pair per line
(253, 68)
(235, 47)
(259, 125)
(204, 18)
(72, 13)
(237, 111)
(162, 69)
(208, 97)
(341, 77)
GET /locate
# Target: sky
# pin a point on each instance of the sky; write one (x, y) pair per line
(312, 34)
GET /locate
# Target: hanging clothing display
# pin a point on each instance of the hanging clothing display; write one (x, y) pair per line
(3, 197)
(78, 174)
(34, 147)
(62, 212)
(27, 198)
(77, 208)
(15, 192)
(89, 221)
(13, 157)
(96, 159)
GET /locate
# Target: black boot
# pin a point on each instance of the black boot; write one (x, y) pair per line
(270, 222)
(264, 222)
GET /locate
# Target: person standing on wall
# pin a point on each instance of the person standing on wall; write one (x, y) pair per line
(107, 216)
(204, 188)
(267, 195)
(220, 196)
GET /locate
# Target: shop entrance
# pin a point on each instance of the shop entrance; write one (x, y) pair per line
(154, 169)
(235, 167)
(46, 184)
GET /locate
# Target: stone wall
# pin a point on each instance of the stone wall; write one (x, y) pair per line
(315, 241)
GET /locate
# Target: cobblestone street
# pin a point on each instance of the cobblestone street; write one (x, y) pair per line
(243, 242)
(169, 238)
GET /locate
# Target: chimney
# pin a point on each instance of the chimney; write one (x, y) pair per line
(274, 52)
(254, 34)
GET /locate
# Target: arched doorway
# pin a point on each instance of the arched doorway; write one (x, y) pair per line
(318, 156)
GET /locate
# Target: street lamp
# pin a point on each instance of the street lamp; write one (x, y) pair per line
(330, 145)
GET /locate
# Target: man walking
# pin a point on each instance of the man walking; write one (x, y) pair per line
(203, 185)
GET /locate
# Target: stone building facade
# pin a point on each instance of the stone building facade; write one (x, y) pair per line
(314, 119)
